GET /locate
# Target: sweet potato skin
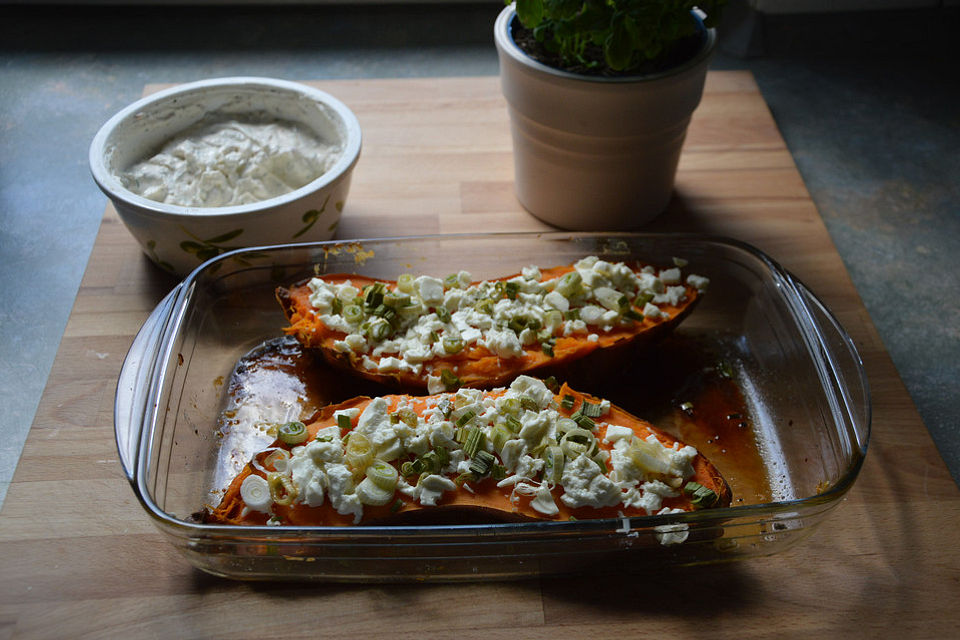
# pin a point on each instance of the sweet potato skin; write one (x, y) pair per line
(476, 366)
(484, 502)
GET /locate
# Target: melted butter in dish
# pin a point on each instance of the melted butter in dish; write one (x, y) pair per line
(225, 163)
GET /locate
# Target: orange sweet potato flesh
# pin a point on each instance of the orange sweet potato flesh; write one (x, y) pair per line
(484, 503)
(477, 366)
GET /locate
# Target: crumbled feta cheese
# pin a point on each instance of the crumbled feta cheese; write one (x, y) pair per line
(651, 311)
(668, 534)
(670, 276)
(542, 498)
(556, 301)
(430, 289)
(435, 385)
(615, 433)
(533, 388)
(698, 282)
(672, 296)
(584, 485)
(432, 487)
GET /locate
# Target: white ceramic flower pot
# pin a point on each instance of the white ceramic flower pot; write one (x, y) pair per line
(596, 153)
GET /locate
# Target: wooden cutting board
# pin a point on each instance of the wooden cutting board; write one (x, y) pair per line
(80, 558)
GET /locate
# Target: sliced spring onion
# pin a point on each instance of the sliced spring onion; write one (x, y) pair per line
(255, 492)
(609, 298)
(584, 422)
(550, 382)
(529, 404)
(292, 432)
(348, 294)
(411, 468)
(396, 300)
(510, 406)
(642, 299)
(498, 472)
(282, 489)
(473, 441)
(591, 410)
(570, 284)
(547, 347)
(576, 442)
(383, 474)
(484, 306)
(700, 496)
(552, 319)
(553, 459)
(449, 380)
(408, 417)
(564, 425)
(443, 314)
(359, 452)
(512, 424)
(464, 478)
(446, 407)
(452, 281)
(481, 464)
(370, 493)
(566, 403)
(373, 295)
(343, 422)
(277, 459)
(353, 313)
(499, 436)
(465, 418)
(434, 461)
(511, 289)
(405, 282)
(386, 312)
(452, 345)
(379, 329)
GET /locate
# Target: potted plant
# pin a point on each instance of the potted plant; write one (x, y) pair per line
(600, 93)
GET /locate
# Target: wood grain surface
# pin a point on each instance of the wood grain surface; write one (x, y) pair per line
(79, 558)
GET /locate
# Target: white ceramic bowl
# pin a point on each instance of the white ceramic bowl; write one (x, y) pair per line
(179, 238)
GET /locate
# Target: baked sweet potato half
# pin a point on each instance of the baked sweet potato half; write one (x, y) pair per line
(429, 334)
(508, 454)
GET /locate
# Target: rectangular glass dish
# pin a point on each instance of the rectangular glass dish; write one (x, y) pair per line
(802, 436)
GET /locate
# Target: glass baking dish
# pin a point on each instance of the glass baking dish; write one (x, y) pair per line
(801, 380)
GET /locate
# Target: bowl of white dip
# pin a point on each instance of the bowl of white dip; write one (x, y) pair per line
(215, 165)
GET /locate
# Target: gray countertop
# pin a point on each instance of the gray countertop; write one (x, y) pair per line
(867, 104)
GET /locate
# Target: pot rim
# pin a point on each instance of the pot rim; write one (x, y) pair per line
(503, 36)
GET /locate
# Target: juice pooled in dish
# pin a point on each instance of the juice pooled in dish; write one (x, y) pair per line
(427, 334)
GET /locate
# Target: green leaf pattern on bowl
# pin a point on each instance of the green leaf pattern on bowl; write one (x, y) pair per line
(152, 252)
(211, 247)
(310, 217)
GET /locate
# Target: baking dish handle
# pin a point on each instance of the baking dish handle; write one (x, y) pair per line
(134, 384)
(849, 378)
